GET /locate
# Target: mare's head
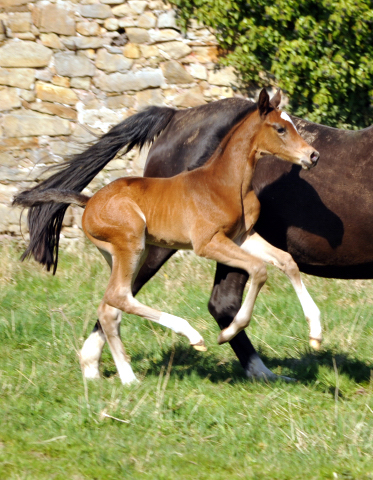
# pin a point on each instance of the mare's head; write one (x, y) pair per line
(278, 135)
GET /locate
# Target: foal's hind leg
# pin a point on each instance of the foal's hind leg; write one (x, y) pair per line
(119, 295)
(110, 314)
(256, 245)
(126, 251)
(107, 328)
(110, 318)
(90, 354)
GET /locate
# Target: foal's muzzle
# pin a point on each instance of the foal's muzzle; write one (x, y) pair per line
(311, 161)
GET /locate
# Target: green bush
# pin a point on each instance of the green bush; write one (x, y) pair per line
(319, 52)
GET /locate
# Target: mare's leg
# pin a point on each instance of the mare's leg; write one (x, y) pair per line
(225, 302)
(157, 256)
(255, 245)
(224, 250)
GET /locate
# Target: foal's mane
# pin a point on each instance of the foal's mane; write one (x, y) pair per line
(220, 134)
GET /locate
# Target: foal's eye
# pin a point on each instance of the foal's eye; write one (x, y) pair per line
(281, 130)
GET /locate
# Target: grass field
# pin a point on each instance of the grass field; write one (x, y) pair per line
(193, 415)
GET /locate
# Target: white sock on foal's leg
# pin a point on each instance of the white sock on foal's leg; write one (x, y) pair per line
(90, 354)
(312, 314)
(177, 324)
(126, 373)
(182, 327)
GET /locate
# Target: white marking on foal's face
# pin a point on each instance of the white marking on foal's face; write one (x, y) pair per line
(286, 117)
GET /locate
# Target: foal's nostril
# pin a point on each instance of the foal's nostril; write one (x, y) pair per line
(314, 157)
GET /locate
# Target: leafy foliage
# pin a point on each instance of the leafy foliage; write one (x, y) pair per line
(319, 52)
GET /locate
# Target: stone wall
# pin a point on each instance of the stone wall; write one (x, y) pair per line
(69, 70)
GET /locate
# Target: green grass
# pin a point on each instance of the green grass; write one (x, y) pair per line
(192, 415)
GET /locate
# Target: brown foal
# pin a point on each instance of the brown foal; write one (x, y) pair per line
(210, 210)
(206, 210)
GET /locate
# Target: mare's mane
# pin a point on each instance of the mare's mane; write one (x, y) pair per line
(219, 134)
(223, 144)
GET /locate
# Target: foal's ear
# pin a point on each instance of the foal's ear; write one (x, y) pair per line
(263, 103)
(276, 99)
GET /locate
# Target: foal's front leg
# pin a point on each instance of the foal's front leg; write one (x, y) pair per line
(223, 250)
(225, 301)
(255, 245)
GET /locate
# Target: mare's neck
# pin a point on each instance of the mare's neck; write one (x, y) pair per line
(234, 161)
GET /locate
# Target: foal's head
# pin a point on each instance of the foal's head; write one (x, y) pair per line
(278, 135)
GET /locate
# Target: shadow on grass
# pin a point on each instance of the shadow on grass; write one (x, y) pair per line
(306, 368)
(187, 361)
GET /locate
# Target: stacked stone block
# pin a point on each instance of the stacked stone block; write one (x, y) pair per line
(70, 70)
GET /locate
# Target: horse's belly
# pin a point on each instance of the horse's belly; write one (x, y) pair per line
(167, 229)
(168, 243)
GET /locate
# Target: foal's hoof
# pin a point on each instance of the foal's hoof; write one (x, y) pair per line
(315, 343)
(200, 346)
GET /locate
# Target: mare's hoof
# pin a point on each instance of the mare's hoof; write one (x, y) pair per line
(257, 371)
(283, 378)
(200, 346)
(315, 343)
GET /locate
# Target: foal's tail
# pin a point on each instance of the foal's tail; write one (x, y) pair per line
(35, 198)
(45, 219)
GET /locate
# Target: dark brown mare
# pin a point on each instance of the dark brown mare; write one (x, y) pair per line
(323, 218)
(312, 215)
(209, 210)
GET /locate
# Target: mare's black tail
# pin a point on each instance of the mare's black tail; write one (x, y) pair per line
(45, 220)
